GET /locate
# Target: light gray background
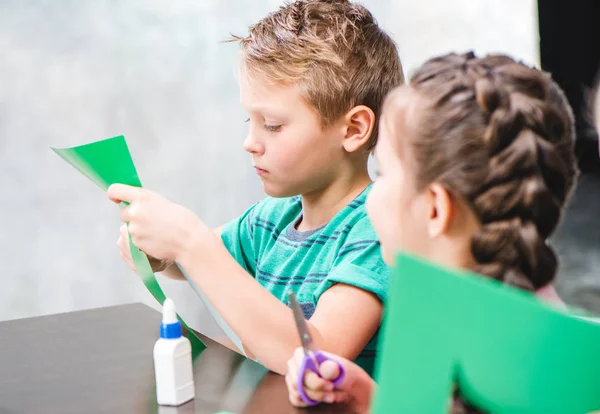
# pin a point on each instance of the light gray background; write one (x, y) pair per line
(73, 72)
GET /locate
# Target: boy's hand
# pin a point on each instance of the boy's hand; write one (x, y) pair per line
(125, 250)
(356, 388)
(158, 227)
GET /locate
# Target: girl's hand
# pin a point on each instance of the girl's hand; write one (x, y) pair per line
(355, 390)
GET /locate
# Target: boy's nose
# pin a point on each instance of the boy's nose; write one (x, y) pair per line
(252, 145)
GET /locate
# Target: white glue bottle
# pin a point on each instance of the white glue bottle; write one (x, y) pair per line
(173, 361)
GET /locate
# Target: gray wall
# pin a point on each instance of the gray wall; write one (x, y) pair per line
(72, 72)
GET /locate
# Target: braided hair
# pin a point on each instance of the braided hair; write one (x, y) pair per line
(499, 135)
(492, 135)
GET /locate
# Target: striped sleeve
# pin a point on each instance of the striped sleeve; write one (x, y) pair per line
(238, 238)
(359, 263)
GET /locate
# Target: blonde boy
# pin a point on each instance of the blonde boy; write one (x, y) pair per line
(313, 77)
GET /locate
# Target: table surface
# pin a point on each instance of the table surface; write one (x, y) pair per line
(100, 361)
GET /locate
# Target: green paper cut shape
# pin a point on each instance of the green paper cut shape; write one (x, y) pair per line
(508, 352)
(107, 162)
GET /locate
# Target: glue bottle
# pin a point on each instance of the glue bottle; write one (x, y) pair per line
(173, 361)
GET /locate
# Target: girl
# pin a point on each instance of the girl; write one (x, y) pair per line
(476, 164)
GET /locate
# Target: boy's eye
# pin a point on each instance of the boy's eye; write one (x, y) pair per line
(272, 128)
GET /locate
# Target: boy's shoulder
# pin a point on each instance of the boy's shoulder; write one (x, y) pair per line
(277, 210)
(280, 212)
(354, 215)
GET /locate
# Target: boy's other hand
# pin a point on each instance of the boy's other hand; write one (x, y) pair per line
(158, 227)
(125, 251)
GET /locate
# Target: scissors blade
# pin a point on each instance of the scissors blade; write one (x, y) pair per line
(305, 338)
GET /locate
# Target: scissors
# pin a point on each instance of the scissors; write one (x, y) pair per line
(312, 356)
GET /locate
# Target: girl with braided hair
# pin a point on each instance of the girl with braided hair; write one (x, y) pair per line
(476, 165)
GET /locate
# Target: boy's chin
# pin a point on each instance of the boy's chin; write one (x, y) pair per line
(277, 192)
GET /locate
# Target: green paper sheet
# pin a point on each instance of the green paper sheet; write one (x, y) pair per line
(216, 316)
(507, 351)
(108, 162)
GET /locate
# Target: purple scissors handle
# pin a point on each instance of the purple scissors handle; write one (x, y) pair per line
(310, 364)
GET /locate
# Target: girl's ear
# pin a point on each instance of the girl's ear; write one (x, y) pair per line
(441, 209)
(358, 123)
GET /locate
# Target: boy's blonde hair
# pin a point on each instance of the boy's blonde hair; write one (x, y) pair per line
(334, 50)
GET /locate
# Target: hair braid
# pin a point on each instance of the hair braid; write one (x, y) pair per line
(515, 203)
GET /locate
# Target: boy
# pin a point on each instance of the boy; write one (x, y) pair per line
(313, 78)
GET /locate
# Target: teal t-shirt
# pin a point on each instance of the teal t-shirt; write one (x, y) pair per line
(264, 241)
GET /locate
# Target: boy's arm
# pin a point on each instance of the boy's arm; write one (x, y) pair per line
(345, 320)
(173, 272)
(343, 323)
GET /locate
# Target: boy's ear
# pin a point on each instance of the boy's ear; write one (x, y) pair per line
(359, 123)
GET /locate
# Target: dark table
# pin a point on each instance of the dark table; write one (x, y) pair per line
(100, 361)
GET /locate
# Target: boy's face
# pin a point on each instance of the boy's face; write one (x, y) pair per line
(291, 152)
